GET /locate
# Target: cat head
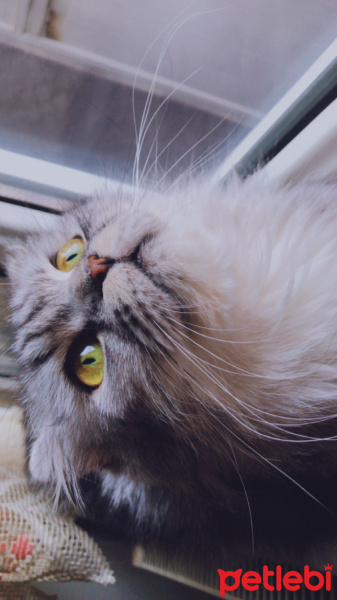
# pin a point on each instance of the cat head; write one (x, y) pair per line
(104, 308)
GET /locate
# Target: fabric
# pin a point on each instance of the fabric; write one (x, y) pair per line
(37, 544)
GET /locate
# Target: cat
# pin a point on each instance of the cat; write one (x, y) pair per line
(178, 359)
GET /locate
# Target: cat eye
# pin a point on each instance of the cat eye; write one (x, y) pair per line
(89, 362)
(69, 255)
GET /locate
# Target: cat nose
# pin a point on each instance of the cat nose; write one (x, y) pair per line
(98, 268)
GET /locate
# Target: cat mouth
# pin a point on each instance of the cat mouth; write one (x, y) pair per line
(99, 268)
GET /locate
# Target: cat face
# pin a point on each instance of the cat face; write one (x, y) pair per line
(104, 309)
(166, 338)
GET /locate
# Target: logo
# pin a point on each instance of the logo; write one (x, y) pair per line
(275, 580)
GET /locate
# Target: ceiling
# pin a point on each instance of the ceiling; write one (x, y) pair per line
(232, 58)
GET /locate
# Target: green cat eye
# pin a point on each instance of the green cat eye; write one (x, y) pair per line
(89, 365)
(70, 253)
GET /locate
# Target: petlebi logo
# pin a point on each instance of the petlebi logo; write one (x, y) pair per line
(275, 580)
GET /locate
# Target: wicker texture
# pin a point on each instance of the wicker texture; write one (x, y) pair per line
(38, 545)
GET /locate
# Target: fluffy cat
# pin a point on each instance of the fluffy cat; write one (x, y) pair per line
(181, 353)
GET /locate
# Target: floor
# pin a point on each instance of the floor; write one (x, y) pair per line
(131, 583)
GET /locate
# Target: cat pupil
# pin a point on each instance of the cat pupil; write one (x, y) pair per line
(88, 361)
(71, 257)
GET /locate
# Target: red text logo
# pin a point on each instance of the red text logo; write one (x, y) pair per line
(275, 580)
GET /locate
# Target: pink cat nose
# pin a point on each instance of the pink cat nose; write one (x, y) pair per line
(98, 268)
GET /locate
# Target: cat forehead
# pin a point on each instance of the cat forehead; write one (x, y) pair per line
(96, 212)
(124, 211)
(88, 218)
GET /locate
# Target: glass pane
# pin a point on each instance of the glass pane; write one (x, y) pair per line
(68, 72)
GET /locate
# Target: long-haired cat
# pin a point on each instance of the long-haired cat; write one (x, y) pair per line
(180, 352)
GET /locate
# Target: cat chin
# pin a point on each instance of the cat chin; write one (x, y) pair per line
(47, 463)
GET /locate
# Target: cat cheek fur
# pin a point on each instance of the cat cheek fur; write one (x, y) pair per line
(40, 462)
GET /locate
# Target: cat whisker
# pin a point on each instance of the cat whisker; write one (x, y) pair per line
(144, 133)
(175, 366)
(244, 372)
(172, 28)
(145, 175)
(206, 156)
(300, 438)
(236, 466)
(187, 152)
(263, 459)
(140, 133)
(216, 367)
(223, 340)
(294, 420)
(284, 473)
